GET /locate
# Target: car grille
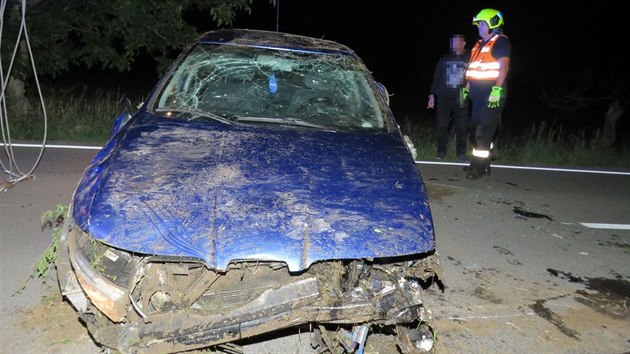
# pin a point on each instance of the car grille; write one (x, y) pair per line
(238, 287)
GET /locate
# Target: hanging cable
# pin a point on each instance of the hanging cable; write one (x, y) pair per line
(277, 15)
(11, 168)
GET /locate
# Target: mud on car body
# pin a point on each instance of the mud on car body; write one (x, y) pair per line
(264, 184)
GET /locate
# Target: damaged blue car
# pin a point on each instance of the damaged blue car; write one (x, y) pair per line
(263, 184)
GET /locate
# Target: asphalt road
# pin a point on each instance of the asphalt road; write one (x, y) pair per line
(525, 271)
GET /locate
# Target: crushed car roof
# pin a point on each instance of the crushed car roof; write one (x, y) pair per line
(278, 40)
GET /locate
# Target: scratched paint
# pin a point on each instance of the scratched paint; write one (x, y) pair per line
(278, 166)
(224, 192)
(212, 175)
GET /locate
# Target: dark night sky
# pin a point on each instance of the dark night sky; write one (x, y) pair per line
(554, 42)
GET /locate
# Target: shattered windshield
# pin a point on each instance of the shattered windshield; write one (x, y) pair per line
(268, 86)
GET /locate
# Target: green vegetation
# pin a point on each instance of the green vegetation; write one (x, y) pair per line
(77, 116)
(52, 219)
(97, 34)
(540, 145)
(73, 116)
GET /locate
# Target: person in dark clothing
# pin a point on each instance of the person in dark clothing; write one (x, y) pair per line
(448, 79)
(486, 87)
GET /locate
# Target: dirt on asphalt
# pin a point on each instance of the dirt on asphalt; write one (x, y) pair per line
(524, 283)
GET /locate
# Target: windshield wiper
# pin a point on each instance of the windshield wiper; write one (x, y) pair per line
(197, 112)
(287, 121)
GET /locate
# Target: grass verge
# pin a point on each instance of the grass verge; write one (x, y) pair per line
(81, 115)
(541, 145)
(77, 115)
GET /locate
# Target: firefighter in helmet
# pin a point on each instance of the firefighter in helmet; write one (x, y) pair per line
(486, 87)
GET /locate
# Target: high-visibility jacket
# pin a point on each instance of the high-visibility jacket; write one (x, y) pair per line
(483, 66)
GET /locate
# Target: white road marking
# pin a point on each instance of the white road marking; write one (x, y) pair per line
(593, 225)
(81, 147)
(76, 147)
(486, 317)
(529, 168)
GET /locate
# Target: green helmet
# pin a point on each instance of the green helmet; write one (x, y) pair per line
(492, 17)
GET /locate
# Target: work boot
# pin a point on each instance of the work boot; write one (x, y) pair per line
(473, 174)
(486, 172)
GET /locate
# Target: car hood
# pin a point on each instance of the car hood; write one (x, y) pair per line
(233, 192)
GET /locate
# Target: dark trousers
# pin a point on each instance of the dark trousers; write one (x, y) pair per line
(485, 122)
(449, 110)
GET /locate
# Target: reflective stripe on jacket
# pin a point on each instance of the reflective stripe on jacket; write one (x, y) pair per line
(483, 66)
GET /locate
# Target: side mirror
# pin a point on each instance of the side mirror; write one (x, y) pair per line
(124, 116)
(411, 147)
(383, 91)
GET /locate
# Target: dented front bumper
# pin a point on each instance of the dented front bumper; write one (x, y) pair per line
(170, 305)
